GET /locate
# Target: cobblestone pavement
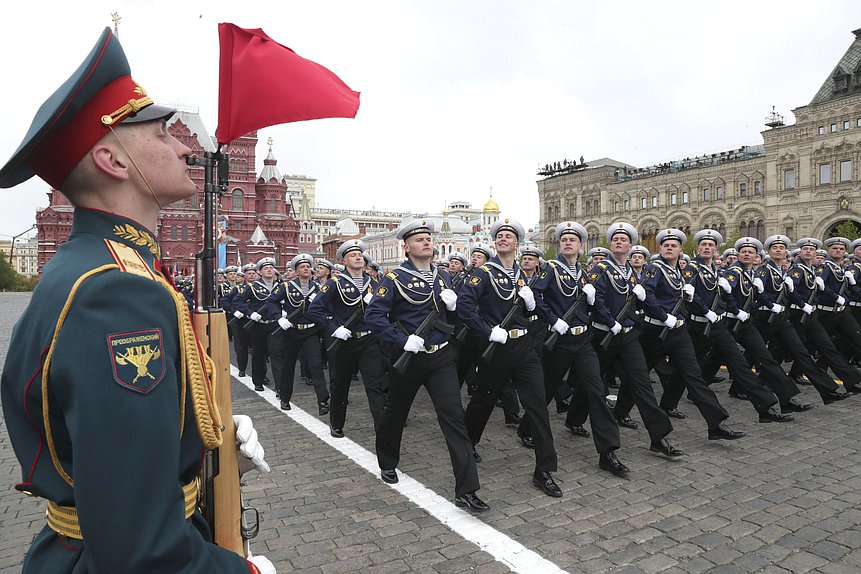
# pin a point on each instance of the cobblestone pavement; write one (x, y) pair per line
(784, 499)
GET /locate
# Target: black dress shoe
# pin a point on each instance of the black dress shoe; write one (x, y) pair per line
(308, 381)
(834, 396)
(608, 461)
(337, 433)
(738, 395)
(513, 419)
(389, 476)
(259, 388)
(724, 432)
(578, 430)
(323, 408)
(241, 373)
(664, 447)
(562, 407)
(794, 405)
(718, 379)
(471, 502)
(285, 406)
(628, 423)
(527, 440)
(675, 414)
(545, 482)
(475, 455)
(773, 415)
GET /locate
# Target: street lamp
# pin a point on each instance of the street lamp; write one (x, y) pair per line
(14, 238)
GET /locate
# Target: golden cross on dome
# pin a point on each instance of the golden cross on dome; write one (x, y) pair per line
(270, 142)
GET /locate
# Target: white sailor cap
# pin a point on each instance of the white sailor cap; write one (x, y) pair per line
(708, 234)
(264, 262)
(641, 250)
(482, 248)
(854, 244)
(730, 251)
(248, 267)
(532, 250)
(301, 258)
(777, 240)
(686, 257)
(600, 252)
(460, 257)
(622, 227)
(671, 233)
(350, 245)
(808, 242)
(748, 242)
(231, 269)
(339, 268)
(507, 224)
(567, 227)
(834, 240)
(324, 262)
(414, 227)
(654, 256)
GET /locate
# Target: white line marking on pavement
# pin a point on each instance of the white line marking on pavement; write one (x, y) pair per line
(503, 548)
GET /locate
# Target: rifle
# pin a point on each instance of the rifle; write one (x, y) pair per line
(781, 300)
(516, 308)
(351, 323)
(221, 499)
(715, 304)
(299, 311)
(630, 302)
(810, 299)
(462, 330)
(676, 309)
(428, 323)
(748, 303)
(575, 310)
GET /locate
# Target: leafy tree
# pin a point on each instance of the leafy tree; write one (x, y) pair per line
(8, 276)
(847, 229)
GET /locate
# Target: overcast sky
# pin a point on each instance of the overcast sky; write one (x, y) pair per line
(457, 97)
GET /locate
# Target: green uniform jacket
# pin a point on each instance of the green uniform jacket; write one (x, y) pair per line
(114, 403)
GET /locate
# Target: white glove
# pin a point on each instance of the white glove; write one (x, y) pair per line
(498, 335)
(311, 297)
(670, 321)
(742, 315)
(250, 449)
(414, 344)
(840, 300)
(283, 312)
(688, 291)
(238, 314)
(342, 333)
(790, 284)
(775, 308)
(850, 277)
(757, 282)
(808, 308)
(285, 324)
(367, 298)
(820, 283)
(616, 328)
(255, 316)
(528, 297)
(711, 316)
(724, 284)
(262, 563)
(561, 326)
(449, 297)
(639, 292)
(589, 290)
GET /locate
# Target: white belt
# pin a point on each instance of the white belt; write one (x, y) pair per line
(516, 333)
(855, 303)
(360, 334)
(830, 309)
(531, 318)
(303, 326)
(578, 330)
(433, 348)
(653, 321)
(699, 319)
(602, 327)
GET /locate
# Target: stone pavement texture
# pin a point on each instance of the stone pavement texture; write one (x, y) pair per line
(784, 499)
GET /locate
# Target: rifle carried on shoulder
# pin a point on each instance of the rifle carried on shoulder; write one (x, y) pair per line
(221, 498)
(516, 308)
(429, 321)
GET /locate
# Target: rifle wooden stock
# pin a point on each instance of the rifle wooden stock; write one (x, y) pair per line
(225, 497)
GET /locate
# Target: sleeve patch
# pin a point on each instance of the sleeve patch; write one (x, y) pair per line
(324, 288)
(381, 291)
(137, 359)
(593, 276)
(475, 280)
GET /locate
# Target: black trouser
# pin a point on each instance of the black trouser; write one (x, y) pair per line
(437, 372)
(468, 354)
(757, 353)
(625, 353)
(814, 335)
(677, 347)
(515, 360)
(241, 342)
(844, 330)
(364, 354)
(265, 344)
(721, 343)
(784, 341)
(307, 343)
(575, 352)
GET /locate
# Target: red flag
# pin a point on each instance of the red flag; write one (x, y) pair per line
(262, 83)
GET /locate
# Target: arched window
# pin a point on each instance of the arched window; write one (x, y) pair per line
(722, 230)
(271, 205)
(237, 200)
(184, 232)
(173, 232)
(760, 230)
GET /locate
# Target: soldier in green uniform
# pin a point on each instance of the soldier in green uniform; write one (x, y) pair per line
(105, 387)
